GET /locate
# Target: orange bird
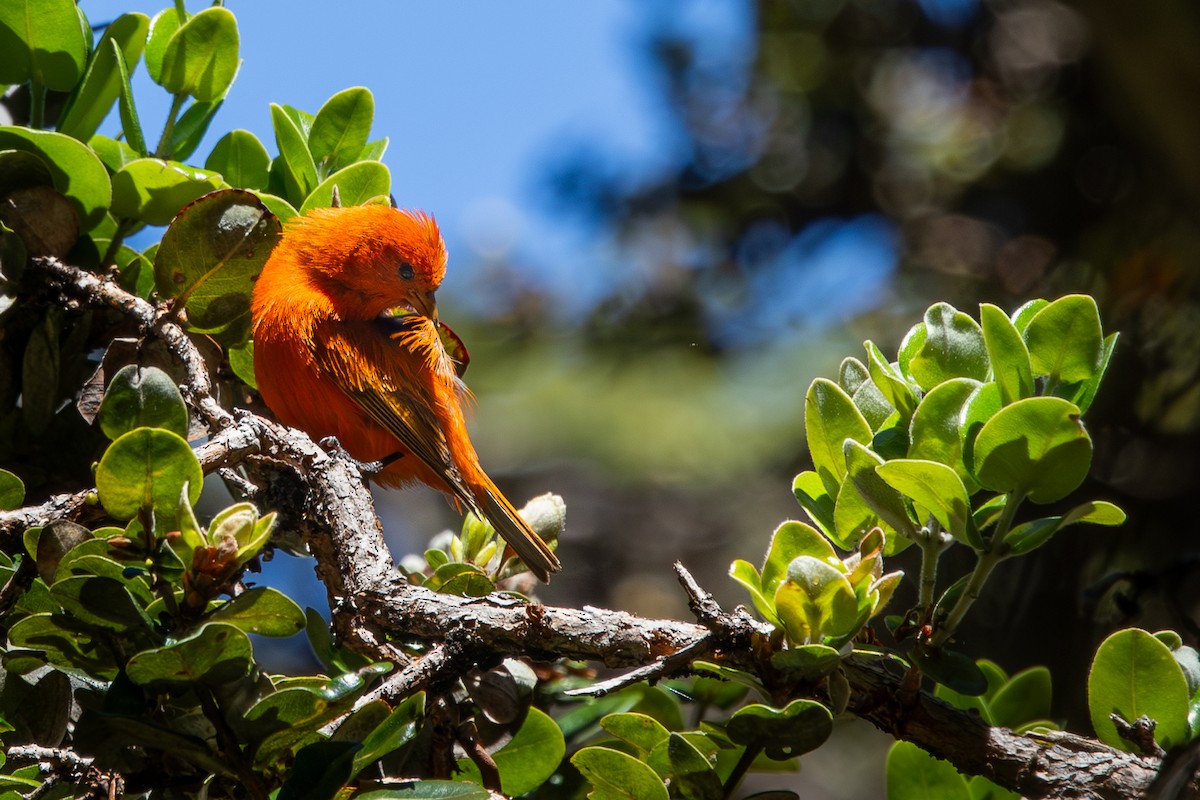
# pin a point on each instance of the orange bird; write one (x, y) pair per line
(346, 344)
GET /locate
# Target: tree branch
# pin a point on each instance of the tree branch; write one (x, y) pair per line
(323, 497)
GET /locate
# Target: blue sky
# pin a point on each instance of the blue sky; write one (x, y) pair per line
(473, 96)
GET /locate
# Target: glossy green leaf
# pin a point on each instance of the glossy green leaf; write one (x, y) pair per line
(147, 467)
(983, 404)
(789, 541)
(913, 774)
(341, 129)
(396, 730)
(42, 41)
(1035, 447)
(884, 500)
(319, 771)
(75, 169)
(830, 418)
(127, 110)
(936, 432)
(112, 153)
(1024, 698)
(123, 41)
(201, 58)
(815, 601)
(1134, 674)
(852, 517)
(241, 158)
(747, 575)
(1033, 534)
(356, 184)
(891, 383)
(1065, 339)
(617, 776)
(153, 191)
(1086, 391)
(806, 662)
(1009, 357)
(815, 499)
(162, 27)
(529, 758)
(262, 610)
(299, 170)
(99, 601)
(12, 490)
(67, 643)
(952, 347)
(802, 726)
(938, 488)
(215, 653)
(691, 773)
(433, 790)
(949, 667)
(210, 256)
(142, 397)
(643, 732)
(190, 129)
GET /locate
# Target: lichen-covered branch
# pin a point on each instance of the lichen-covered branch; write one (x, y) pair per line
(323, 496)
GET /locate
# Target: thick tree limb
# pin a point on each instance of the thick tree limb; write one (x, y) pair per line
(324, 497)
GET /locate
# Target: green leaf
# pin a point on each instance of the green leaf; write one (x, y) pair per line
(140, 397)
(432, 790)
(241, 361)
(124, 36)
(1024, 698)
(789, 541)
(1033, 534)
(643, 732)
(12, 491)
(67, 644)
(1011, 368)
(262, 610)
(341, 128)
(42, 41)
(1086, 391)
(881, 498)
(691, 773)
(815, 601)
(936, 432)
(190, 129)
(75, 169)
(162, 28)
(356, 184)
(815, 499)
(1022, 316)
(951, 668)
(210, 257)
(529, 758)
(320, 771)
(747, 575)
(938, 488)
(147, 468)
(201, 58)
(153, 191)
(802, 726)
(830, 418)
(299, 171)
(953, 347)
(398, 729)
(241, 159)
(214, 654)
(103, 602)
(1134, 674)
(113, 154)
(617, 776)
(807, 662)
(127, 109)
(278, 206)
(983, 404)
(1065, 339)
(1035, 447)
(913, 774)
(890, 382)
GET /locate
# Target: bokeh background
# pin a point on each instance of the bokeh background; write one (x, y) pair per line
(666, 218)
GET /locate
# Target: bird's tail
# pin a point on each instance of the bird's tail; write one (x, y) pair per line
(536, 554)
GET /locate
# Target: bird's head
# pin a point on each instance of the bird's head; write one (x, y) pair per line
(376, 258)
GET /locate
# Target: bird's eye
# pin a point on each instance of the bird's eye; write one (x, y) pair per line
(406, 271)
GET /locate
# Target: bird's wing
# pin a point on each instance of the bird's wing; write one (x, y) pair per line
(384, 368)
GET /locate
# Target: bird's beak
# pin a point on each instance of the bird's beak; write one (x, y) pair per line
(425, 303)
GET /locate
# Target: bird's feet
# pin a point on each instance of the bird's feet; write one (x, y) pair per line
(368, 469)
